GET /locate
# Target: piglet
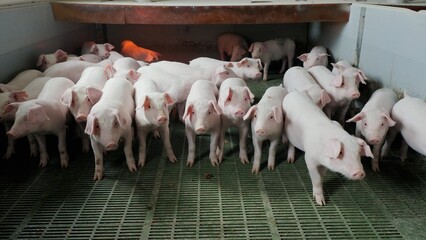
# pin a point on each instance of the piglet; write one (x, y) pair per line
(43, 115)
(31, 91)
(267, 124)
(21, 80)
(101, 50)
(374, 121)
(202, 116)
(232, 46)
(152, 114)
(274, 50)
(409, 113)
(235, 99)
(246, 68)
(46, 60)
(110, 120)
(130, 49)
(317, 56)
(299, 79)
(342, 89)
(326, 144)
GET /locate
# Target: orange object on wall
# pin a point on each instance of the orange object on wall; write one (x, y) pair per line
(130, 49)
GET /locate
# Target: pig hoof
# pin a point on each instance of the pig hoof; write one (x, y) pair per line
(189, 163)
(156, 134)
(141, 163)
(376, 168)
(132, 167)
(42, 163)
(214, 163)
(271, 167)
(173, 159)
(64, 164)
(98, 175)
(320, 200)
(290, 160)
(255, 171)
(244, 160)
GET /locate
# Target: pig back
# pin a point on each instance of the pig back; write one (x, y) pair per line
(383, 99)
(55, 87)
(118, 93)
(34, 88)
(202, 89)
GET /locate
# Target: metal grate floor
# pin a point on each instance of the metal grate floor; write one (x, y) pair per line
(167, 200)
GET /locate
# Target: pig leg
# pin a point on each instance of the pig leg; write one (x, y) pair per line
(190, 135)
(99, 159)
(243, 143)
(265, 71)
(290, 153)
(284, 60)
(41, 141)
(403, 150)
(130, 160)
(33, 145)
(62, 147)
(142, 145)
(342, 115)
(221, 145)
(84, 138)
(376, 154)
(290, 57)
(272, 152)
(10, 143)
(390, 137)
(257, 144)
(214, 138)
(317, 175)
(165, 135)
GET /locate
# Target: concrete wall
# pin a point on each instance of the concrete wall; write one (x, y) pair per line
(388, 43)
(28, 31)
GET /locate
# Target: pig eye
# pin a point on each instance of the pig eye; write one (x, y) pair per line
(382, 124)
(365, 124)
(209, 112)
(228, 99)
(245, 99)
(271, 117)
(255, 115)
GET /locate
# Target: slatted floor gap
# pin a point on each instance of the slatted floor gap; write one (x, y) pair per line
(166, 200)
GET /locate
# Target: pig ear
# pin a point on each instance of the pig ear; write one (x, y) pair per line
(91, 128)
(215, 107)
(228, 65)
(188, 111)
(333, 148)
(360, 76)
(252, 110)
(108, 46)
(303, 57)
(37, 114)
(325, 98)
(93, 94)
(11, 107)
(248, 94)
(365, 149)
(41, 59)
(388, 119)
(146, 103)
(339, 67)
(169, 99)
(133, 75)
(109, 71)
(251, 47)
(68, 97)
(229, 96)
(278, 115)
(94, 48)
(242, 62)
(61, 56)
(337, 80)
(321, 55)
(357, 117)
(18, 96)
(121, 121)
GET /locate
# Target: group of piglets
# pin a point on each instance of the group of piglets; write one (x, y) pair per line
(106, 98)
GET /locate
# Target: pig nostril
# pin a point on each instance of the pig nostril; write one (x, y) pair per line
(81, 118)
(358, 175)
(355, 95)
(11, 135)
(111, 146)
(260, 132)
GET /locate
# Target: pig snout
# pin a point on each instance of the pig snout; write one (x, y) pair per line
(261, 132)
(81, 118)
(111, 146)
(200, 130)
(11, 135)
(355, 95)
(240, 113)
(162, 120)
(374, 141)
(358, 175)
(258, 75)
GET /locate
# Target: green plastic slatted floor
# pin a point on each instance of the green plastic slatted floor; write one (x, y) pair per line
(167, 200)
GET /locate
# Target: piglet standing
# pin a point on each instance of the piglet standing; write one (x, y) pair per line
(409, 113)
(202, 116)
(299, 79)
(31, 91)
(110, 120)
(274, 50)
(317, 56)
(232, 46)
(152, 114)
(342, 89)
(43, 115)
(267, 124)
(235, 99)
(325, 142)
(374, 121)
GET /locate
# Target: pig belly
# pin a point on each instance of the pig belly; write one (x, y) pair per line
(415, 136)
